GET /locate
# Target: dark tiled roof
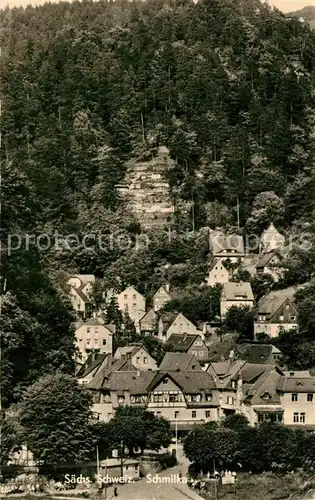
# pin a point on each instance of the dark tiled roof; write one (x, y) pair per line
(292, 384)
(182, 342)
(256, 353)
(135, 382)
(81, 294)
(92, 362)
(265, 259)
(101, 378)
(191, 382)
(178, 361)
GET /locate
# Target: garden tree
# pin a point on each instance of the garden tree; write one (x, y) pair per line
(267, 208)
(261, 285)
(240, 320)
(11, 440)
(138, 428)
(242, 275)
(306, 317)
(235, 422)
(298, 351)
(197, 303)
(55, 415)
(235, 445)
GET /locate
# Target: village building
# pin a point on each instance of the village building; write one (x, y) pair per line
(227, 247)
(236, 295)
(218, 274)
(130, 301)
(139, 356)
(80, 288)
(161, 297)
(271, 240)
(192, 344)
(270, 263)
(149, 323)
(275, 313)
(259, 353)
(179, 361)
(174, 323)
(93, 336)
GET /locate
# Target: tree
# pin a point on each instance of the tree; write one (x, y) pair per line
(267, 208)
(55, 414)
(240, 320)
(138, 428)
(235, 422)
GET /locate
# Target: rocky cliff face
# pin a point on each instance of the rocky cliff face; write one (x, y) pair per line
(147, 191)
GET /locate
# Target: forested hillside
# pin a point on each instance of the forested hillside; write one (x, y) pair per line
(226, 85)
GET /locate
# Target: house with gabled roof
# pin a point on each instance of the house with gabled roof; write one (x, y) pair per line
(185, 398)
(218, 273)
(161, 297)
(275, 312)
(179, 361)
(259, 353)
(271, 240)
(236, 295)
(260, 400)
(191, 344)
(270, 263)
(130, 301)
(174, 323)
(80, 288)
(139, 355)
(94, 336)
(149, 323)
(227, 247)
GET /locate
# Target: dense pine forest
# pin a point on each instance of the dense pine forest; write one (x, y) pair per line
(226, 85)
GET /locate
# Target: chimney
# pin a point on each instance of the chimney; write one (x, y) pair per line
(177, 368)
(167, 287)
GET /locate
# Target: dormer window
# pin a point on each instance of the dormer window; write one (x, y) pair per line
(266, 396)
(165, 381)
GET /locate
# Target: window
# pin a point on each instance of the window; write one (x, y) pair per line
(125, 296)
(302, 418)
(126, 307)
(207, 414)
(145, 361)
(87, 341)
(80, 340)
(165, 381)
(310, 398)
(134, 297)
(209, 397)
(88, 330)
(292, 318)
(193, 414)
(96, 329)
(294, 397)
(173, 398)
(134, 305)
(230, 400)
(281, 318)
(95, 342)
(201, 354)
(270, 417)
(295, 417)
(104, 341)
(287, 306)
(176, 414)
(233, 384)
(78, 307)
(138, 359)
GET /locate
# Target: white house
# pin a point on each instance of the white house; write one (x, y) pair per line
(130, 300)
(236, 294)
(161, 297)
(229, 247)
(93, 336)
(218, 274)
(275, 313)
(80, 289)
(271, 240)
(270, 263)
